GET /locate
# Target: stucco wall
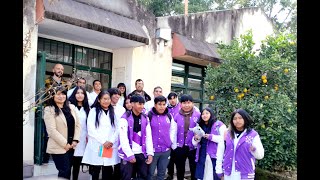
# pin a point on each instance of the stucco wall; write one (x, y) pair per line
(147, 62)
(220, 26)
(153, 67)
(29, 79)
(122, 67)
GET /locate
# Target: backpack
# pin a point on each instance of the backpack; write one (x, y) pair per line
(150, 116)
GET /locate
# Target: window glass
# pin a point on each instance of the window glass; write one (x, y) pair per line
(91, 76)
(106, 62)
(178, 67)
(53, 50)
(194, 83)
(47, 49)
(85, 56)
(80, 55)
(179, 91)
(95, 59)
(67, 53)
(176, 80)
(60, 52)
(195, 71)
(90, 61)
(194, 94)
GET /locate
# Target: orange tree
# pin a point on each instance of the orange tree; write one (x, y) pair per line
(264, 83)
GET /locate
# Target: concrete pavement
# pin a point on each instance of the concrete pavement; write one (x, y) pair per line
(86, 175)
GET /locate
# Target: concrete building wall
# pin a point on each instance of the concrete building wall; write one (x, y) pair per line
(154, 68)
(122, 67)
(220, 26)
(30, 32)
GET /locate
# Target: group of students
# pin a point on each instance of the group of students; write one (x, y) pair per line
(139, 140)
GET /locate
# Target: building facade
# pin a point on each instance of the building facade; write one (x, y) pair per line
(120, 41)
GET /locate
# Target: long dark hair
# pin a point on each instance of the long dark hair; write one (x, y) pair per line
(124, 102)
(99, 109)
(57, 111)
(73, 100)
(247, 121)
(212, 119)
(125, 89)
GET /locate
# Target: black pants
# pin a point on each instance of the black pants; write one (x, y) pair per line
(108, 172)
(76, 167)
(171, 164)
(45, 155)
(138, 170)
(63, 163)
(182, 153)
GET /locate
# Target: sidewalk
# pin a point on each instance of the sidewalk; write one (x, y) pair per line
(86, 176)
(82, 176)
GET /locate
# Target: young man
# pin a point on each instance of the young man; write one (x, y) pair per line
(164, 136)
(139, 90)
(157, 91)
(81, 82)
(56, 79)
(173, 103)
(173, 108)
(96, 90)
(186, 118)
(136, 149)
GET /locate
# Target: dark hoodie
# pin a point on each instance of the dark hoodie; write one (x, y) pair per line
(144, 94)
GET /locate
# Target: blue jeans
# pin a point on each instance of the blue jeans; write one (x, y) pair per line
(160, 161)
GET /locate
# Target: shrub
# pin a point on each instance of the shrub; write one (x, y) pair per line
(265, 84)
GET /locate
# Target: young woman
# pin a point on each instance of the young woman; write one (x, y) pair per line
(79, 98)
(243, 147)
(123, 93)
(127, 104)
(214, 131)
(102, 134)
(63, 127)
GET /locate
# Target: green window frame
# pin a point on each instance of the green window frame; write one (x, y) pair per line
(82, 59)
(188, 78)
(98, 64)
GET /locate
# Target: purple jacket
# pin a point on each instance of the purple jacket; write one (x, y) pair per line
(211, 146)
(144, 123)
(160, 128)
(174, 110)
(244, 160)
(179, 118)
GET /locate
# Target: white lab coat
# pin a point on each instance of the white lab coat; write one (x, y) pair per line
(119, 111)
(98, 136)
(92, 97)
(81, 146)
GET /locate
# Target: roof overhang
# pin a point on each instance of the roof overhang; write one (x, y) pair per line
(194, 51)
(83, 23)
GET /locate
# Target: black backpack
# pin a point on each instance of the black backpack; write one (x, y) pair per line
(150, 116)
